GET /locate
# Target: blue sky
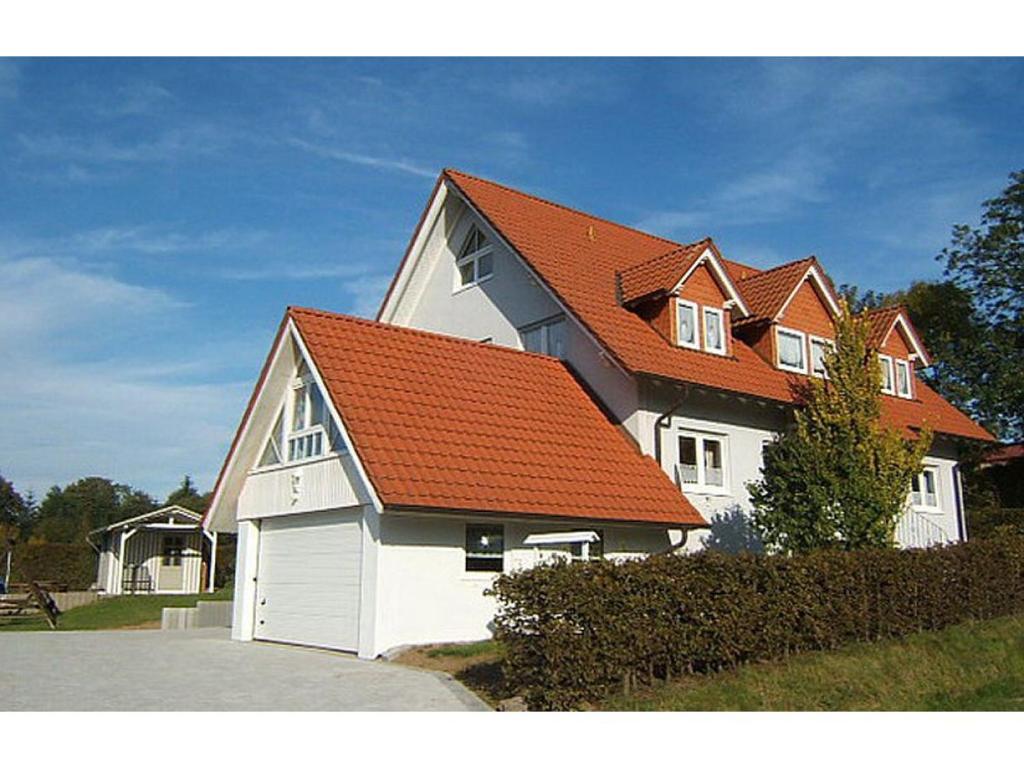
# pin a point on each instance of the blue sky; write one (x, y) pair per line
(156, 216)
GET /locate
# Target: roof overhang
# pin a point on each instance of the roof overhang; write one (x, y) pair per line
(815, 273)
(713, 259)
(920, 354)
(567, 537)
(140, 520)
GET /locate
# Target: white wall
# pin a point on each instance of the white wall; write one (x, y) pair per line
(498, 307)
(425, 593)
(325, 483)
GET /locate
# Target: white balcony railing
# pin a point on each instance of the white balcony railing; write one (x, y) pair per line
(915, 531)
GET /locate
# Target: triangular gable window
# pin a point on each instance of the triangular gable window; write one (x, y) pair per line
(304, 428)
(475, 262)
(475, 241)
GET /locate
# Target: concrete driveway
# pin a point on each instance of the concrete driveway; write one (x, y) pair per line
(204, 670)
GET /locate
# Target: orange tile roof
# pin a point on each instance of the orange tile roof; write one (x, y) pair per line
(766, 292)
(450, 424)
(659, 274)
(881, 320)
(579, 256)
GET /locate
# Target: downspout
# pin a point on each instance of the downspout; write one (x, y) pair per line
(665, 419)
(958, 493)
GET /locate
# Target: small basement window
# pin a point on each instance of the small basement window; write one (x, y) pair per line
(792, 344)
(485, 548)
(475, 262)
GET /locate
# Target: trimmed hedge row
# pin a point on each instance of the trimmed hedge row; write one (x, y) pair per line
(576, 632)
(70, 564)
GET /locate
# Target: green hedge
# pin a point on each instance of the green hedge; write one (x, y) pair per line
(70, 564)
(577, 632)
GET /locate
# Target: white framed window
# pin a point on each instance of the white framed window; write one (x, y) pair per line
(888, 375)
(475, 262)
(903, 378)
(306, 435)
(792, 349)
(924, 489)
(546, 338)
(485, 548)
(702, 462)
(714, 330)
(686, 324)
(819, 349)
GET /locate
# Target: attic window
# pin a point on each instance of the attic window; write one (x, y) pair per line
(303, 429)
(476, 260)
(792, 356)
(903, 388)
(888, 375)
(686, 321)
(714, 330)
(820, 348)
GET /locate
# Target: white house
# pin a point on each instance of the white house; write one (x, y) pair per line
(540, 383)
(166, 551)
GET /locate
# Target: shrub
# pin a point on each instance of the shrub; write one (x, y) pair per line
(70, 564)
(577, 632)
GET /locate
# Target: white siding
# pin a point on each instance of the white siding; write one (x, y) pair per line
(425, 593)
(323, 484)
(144, 548)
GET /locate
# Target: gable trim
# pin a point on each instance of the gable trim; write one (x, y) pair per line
(724, 281)
(919, 352)
(823, 290)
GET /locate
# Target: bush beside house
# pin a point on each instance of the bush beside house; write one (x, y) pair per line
(577, 632)
(72, 565)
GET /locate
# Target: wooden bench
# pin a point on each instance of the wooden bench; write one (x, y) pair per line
(35, 599)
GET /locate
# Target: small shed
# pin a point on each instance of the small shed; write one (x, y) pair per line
(165, 551)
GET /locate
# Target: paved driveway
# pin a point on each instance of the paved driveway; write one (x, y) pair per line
(204, 670)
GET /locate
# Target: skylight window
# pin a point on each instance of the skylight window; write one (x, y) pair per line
(476, 259)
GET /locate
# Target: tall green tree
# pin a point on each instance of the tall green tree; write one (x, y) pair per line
(68, 514)
(15, 512)
(988, 263)
(839, 478)
(187, 495)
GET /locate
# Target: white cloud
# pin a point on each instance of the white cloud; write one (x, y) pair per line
(168, 146)
(370, 161)
(367, 292)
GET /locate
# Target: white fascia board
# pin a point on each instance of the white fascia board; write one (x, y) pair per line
(243, 436)
(173, 509)
(723, 278)
(491, 232)
(414, 254)
(909, 332)
(823, 289)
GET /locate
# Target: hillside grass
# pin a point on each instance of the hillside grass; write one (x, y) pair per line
(969, 667)
(141, 611)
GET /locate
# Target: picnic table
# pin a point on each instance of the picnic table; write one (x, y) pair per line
(35, 598)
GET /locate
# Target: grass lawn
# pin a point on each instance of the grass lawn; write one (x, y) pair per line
(142, 611)
(475, 665)
(975, 666)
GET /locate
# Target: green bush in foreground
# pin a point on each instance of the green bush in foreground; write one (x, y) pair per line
(578, 632)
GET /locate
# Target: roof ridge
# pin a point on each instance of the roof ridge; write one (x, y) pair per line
(564, 207)
(770, 270)
(327, 314)
(665, 255)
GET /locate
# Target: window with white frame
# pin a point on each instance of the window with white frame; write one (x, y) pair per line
(924, 489)
(546, 338)
(792, 346)
(303, 428)
(714, 330)
(702, 462)
(820, 348)
(686, 324)
(485, 548)
(903, 377)
(888, 375)
(476, 259)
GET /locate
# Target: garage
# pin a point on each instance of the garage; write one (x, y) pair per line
(308, 579)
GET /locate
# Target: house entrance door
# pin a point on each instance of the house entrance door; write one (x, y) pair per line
(172, 571)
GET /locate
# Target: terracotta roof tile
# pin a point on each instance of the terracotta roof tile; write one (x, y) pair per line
(446, 423)
(581, 256)
(659, 274)
(767, 291)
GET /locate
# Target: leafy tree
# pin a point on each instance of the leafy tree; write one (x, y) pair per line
(188, 496)
(15, 512)
(988, 263)
(838, 478)
(68, 514)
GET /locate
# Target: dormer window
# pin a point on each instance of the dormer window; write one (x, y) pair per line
(792, 347)
(888, 375)
(476, 260)
(714, 330)
(903, 376)
(686, 319)
(820, 348)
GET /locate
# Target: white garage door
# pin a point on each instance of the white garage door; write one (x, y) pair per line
(307, 587)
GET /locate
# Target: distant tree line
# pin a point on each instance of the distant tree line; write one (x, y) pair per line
(66, 515)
